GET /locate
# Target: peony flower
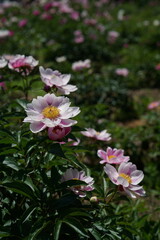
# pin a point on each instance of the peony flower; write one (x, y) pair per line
(79, 38)
(74, 15)
(3, 62)
(61, 59)
(157, 67)
(112, 36)
(102, 136)
(3, 85)
(4, 34)
(127, 177)
(56, 79)
(122, 72)
(80, 65)
(57, 133)
(112, 156)
(23, 64)
(90, 21)
(22, 23)
(153, 105)
(50, 111)
(74, 174)
(36, 12)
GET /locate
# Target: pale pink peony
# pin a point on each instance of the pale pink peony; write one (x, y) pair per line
(90, 21)
(79, 38)
(112, 156)
(153, 105)
(56, 79)
(112, 36)
(50, 111)
(74, 15)
(22, 64)
(102, 136)
(3, 62)
(74, 174)
(57, 133)
(4, 34)
(80, 65)
(122, 72)
(127, 177)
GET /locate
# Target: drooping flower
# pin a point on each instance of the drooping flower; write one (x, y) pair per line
(3, 62)
(22, 64)
(92, 133)
(122, 72)
(127, 177)
(57, 133)
(153, 105)
(56, 79)
(112, 156)
(80, 65)
(74, 174)
(50, 111)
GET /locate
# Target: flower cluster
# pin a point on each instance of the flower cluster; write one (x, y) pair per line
(127, 177)
(54, 114)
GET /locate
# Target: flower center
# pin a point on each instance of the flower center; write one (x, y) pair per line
(50, 112)
(75, 179)
(125, 176)
(111, 156)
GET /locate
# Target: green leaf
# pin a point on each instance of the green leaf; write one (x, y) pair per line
(11, 163)
(22, 103)
(9, 151)
(27, 213)
(57, 229)
(21, 188)
(95, 234)
(57, 150)
(76, 225)
(4, 234)
(34, 235)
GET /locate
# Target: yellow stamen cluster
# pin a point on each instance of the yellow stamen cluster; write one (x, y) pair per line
(51, 112)
(111, 156)
(125, 176)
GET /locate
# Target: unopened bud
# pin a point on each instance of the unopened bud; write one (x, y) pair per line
(94, 199)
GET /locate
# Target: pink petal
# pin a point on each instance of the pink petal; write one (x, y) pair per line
(37, 127)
